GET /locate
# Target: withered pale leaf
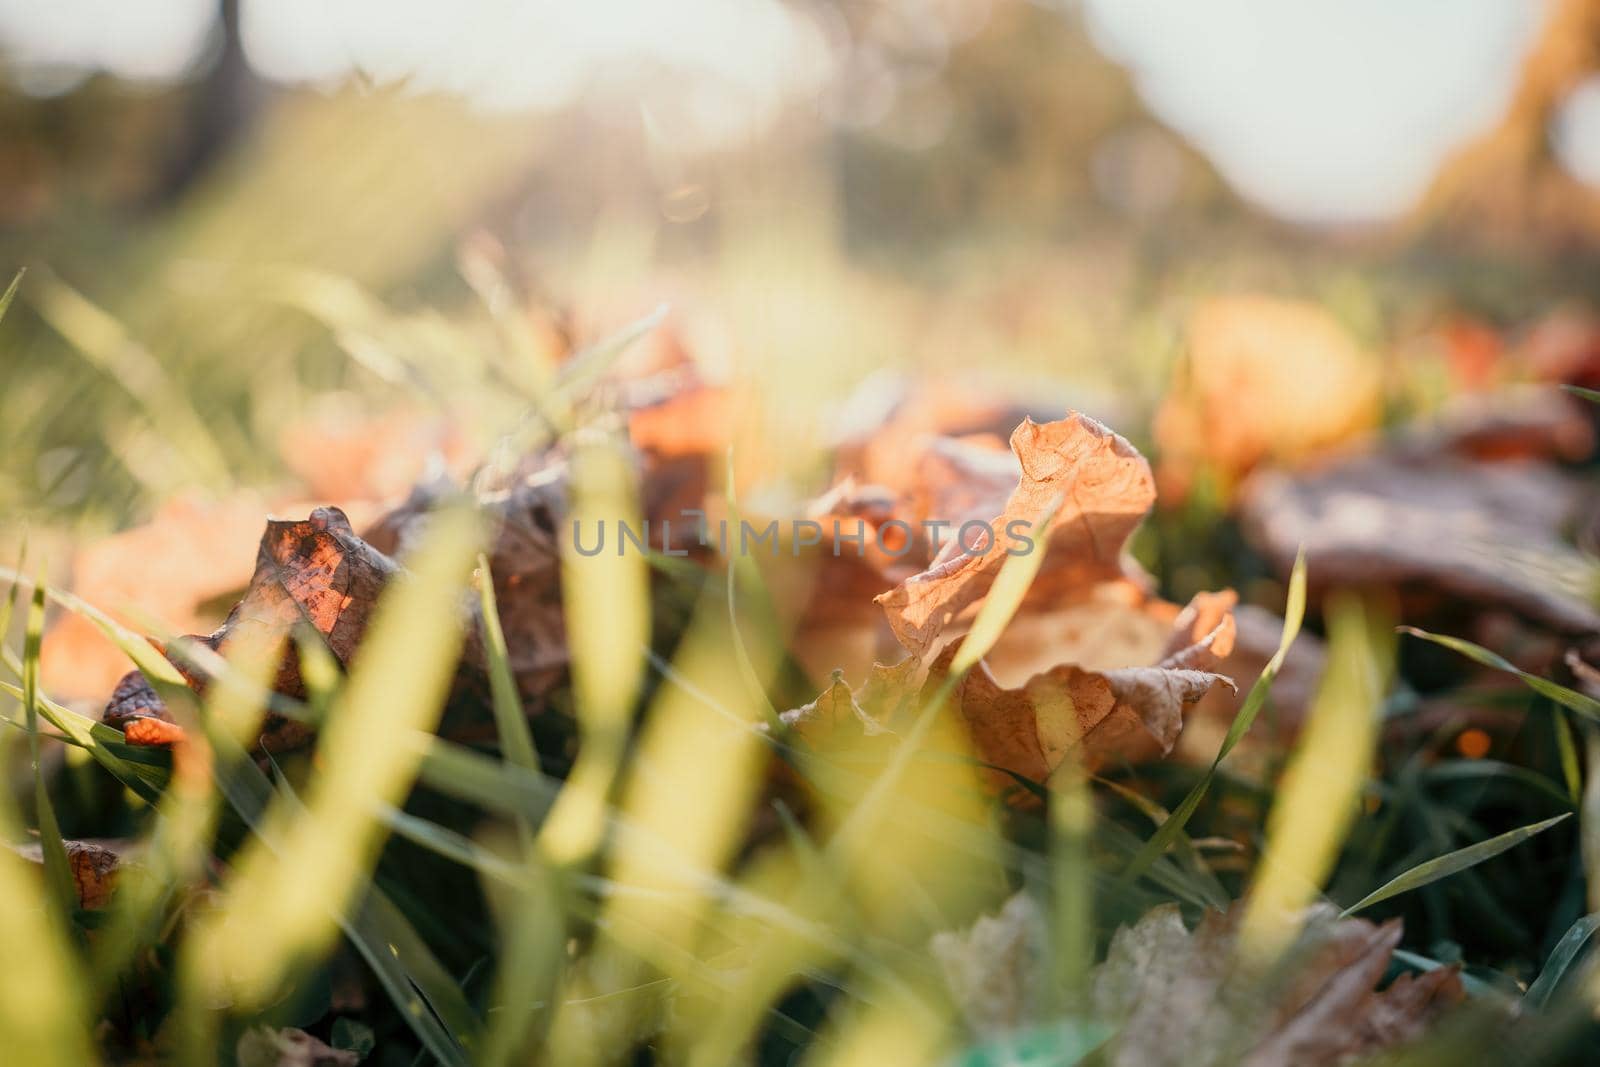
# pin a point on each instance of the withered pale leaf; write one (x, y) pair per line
(996, 968)
(268, 1046)
(1099, 488)
(1181, 1001)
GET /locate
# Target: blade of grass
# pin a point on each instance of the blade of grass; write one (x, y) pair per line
(41, 1010)
(1567, 752)
(101, 742)
(11, 293)
(516, 739)
(1293, 615)
(999, 605)
(741, 652)
(1561, 959)
(1320, 789)
(1567, 698)
(606, 600)
(58, 874)
(1452, 862)
(107, 346)
(427, 996)
(532, 926)
(584, 368)
(1587, 394)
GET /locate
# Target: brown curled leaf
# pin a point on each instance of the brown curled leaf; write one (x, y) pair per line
(313, 572)
(94, 864)
(1096, 485)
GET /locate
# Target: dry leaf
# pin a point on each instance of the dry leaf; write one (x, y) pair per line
(1093, 667)
(1263, 379)
(190, 553)
(94, 864)
(339, 452)
(1525, 422)
(1096, 484)
(1096, 717)
(1488, 534)
(313, 572)
(267, 1046)
(996, 968)
(1182, 1001)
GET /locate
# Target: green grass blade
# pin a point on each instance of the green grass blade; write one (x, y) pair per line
(1452, 863)
(461, 773)
(453, 846)
(1294, 614)
(1560, 961)
(58, 874)
(1319, 793)
(11, 293)
(143, 770)
(1567, 698)
(741, 651)
(516, 739)
(1579, 391)
(106, 345)
(425, 994)
(588, 365)
(531, 924)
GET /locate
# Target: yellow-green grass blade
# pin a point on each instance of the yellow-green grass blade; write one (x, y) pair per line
(1568, 698)
(57, 872)
(106, 345)
(606, 603)
(143, 770)
(1002, 601)
(1319, 792)
(428, 997)
(10, 294)
(41, 1002)
(1293, 616)
(1560, 961)
(516, 739)
(741, 651)
(532, 926)
(1452, 863)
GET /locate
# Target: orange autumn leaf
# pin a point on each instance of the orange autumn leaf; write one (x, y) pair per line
(313, 572)
(1263, 379)
(1096, 485)
(1093, 716)
(93, 864)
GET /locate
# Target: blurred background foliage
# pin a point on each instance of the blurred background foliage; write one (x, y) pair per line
(916, 183)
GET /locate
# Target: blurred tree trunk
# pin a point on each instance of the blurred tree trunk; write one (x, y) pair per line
(1508, 186)
(221, 106)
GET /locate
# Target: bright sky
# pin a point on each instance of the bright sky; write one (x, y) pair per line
(1318, 111)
